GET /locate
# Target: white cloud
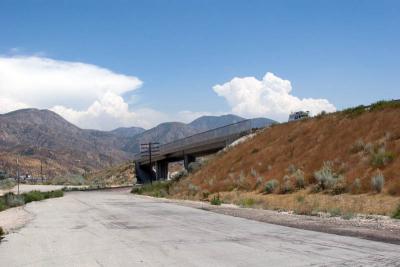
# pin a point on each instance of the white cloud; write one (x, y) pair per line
(270, 97)
(44, 82)
(110, 112)
(86, 95)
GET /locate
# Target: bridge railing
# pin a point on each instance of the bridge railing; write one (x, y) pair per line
(224, 131)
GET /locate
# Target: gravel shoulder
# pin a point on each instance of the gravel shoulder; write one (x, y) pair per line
(376, 228)
(13, 219)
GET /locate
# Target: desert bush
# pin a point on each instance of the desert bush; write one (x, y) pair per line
(396, 213)
(355, 111)
(356, 187)
(216, 200)
(299, 179)
(254, 172)
(286, 186)
(385, 104)
(335, 212)
(194, 167)
(205, 194)
(291, 169)
(33, 196)
(357, 146)
(381, 157)
(137, 190)
(7, 183)
(12, 200)
(259, 181)
(3, 205)
(247, 202)
(193, 189)
(377, 182)
(271, 186)
(179, 175)
(339, 186)
(325, 176)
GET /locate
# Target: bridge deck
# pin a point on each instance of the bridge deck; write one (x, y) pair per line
(199, 144)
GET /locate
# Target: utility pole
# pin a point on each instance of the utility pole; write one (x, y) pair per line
(151, 167)
(18, 173)
(41, 169)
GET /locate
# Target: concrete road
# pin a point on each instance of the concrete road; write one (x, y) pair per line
(118, 229)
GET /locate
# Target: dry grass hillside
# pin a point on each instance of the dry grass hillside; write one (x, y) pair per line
(353, 153)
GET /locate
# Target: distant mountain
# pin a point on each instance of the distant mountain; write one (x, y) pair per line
(205, 123)
(43, 134)
(128, 131)
(162, 133)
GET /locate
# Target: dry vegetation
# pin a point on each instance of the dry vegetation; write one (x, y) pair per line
(120, 175)
(347, 162)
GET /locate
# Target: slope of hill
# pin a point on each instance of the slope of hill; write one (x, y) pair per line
(354, 151)
(128, 131)
(42, 134)
(43, 138)
(205, 123)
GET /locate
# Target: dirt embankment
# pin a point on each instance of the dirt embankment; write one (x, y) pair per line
(356, 145)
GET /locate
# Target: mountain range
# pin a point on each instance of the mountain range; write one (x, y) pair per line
(40, 137)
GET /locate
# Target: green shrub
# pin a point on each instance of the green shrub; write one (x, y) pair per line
(396, 213)
(137, 190)
(327, 179)
(377, 182)
(216, 200)
(271, 186)
(247, 202)
(356, 188)
(385, 104)
(194, 167)
(335, 212)
(299, 179)
(355, 111)
(7, 183)
(33, 196)
(3, 205)
(381, 157)
(12, 200)
(357, 146)
(287, 186)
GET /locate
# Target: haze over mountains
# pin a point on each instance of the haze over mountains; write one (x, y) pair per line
(37, 135)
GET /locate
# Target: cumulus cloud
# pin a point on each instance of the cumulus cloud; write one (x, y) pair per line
(110, 112)
(84, 94)
(270, 97)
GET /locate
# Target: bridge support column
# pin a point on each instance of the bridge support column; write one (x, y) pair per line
(162, 170)
(144, 173)
(187, 159)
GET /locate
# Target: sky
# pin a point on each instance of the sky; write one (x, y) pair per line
(106, 64)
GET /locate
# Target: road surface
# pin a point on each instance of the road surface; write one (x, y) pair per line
(115, 228)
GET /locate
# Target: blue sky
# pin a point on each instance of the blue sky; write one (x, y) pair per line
(347, 52)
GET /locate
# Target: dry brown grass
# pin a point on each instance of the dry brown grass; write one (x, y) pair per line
(304, 203)
(350, 143)
(306, 145)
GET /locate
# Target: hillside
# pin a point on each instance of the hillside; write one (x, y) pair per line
(353, 145)
(42, 134)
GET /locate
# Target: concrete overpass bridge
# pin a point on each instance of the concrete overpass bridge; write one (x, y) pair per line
(155, 166)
